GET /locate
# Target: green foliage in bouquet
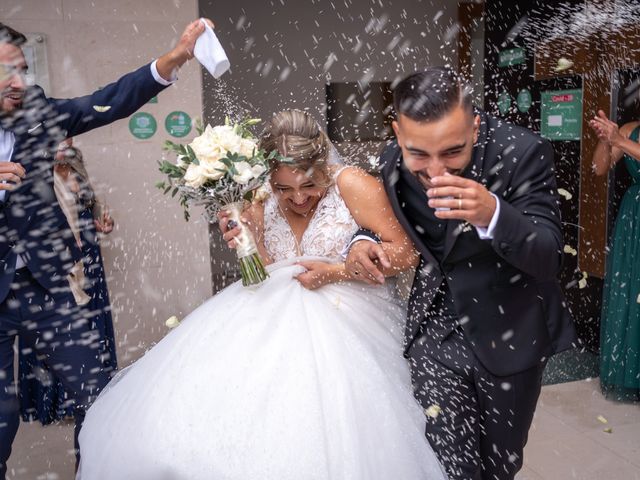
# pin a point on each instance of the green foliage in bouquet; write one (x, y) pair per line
(221, 169)
(228, 178)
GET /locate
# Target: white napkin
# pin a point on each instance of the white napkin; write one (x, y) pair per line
(210, 53)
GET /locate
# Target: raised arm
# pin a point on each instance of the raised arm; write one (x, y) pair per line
(613, 143)
(122, 98)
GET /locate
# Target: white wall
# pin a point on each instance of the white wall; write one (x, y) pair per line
(283, 51)
(157, 264)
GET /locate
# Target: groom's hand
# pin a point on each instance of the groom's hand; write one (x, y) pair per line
(11, 175)
(363, 260)
(460, 198)
(169, 63)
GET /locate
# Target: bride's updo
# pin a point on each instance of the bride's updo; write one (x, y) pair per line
(297, 136)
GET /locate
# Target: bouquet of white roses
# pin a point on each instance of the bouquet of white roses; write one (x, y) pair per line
(221, 169)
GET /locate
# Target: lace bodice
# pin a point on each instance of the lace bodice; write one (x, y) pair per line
(329, 230)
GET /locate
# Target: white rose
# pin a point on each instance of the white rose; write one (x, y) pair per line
(195, 176)
(226, 138)
(247, 147)
(207, 146)
(257, 170)
(262, 193)
(245, 173)
(214, 170)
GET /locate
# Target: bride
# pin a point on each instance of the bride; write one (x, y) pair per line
(301, 377)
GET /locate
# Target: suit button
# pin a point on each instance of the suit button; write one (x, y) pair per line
(505, 248)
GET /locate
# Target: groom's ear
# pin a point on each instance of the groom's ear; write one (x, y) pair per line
(396, 128)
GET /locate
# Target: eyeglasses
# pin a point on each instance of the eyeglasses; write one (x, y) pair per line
(8, 71)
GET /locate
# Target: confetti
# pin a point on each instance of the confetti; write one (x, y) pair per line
(565, 193)
(583, 281)
(172, 322)
(433, 411)
(563, 64)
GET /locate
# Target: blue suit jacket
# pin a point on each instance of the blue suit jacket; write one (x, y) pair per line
(32, 223)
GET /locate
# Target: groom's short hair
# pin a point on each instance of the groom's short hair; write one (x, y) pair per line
(430, 94)
(9, 35)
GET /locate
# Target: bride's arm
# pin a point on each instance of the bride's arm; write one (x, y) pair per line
(367, 201)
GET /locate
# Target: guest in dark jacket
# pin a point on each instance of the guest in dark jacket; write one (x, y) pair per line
(42, 396)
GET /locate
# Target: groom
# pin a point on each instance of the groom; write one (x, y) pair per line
(478, 198)
(39, 257)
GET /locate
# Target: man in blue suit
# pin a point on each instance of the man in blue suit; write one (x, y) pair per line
(38, 252)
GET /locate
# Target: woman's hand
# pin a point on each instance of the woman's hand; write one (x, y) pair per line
(105, 223)
(228, 228)
(251, 219)
(606, 130)
(318, 274)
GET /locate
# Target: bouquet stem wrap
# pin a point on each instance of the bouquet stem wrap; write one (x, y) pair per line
(251, 266)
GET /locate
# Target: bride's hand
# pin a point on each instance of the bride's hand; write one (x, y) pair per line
(229, 229)
(249, 219)
(318, 274)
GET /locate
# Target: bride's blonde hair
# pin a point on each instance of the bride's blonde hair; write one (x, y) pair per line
(296, 135)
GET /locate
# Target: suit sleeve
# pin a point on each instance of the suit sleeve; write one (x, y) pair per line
(528, 232)
(112, 102)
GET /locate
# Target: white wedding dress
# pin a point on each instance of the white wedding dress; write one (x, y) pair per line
(273, 382)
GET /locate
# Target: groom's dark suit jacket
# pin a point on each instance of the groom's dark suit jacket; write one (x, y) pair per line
(505, 292)
(31, 221)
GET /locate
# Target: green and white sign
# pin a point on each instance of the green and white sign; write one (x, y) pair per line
(504, 103)
(513, 56)
(178, 124)
(142, 125)
(561, 114)
(523, 100)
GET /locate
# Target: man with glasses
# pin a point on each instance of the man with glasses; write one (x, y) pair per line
(38, 251)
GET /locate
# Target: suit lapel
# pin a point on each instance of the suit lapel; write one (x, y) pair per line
(454, 229)
(391, 175)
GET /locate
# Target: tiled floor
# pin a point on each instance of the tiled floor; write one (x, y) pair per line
(567, 441)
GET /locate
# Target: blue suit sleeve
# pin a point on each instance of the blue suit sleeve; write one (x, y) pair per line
(112, 102)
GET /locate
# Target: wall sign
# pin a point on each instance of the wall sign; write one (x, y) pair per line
(178, 124)
(561, 115)
(524, 100)
(513, 56)
(504, 103)
(142, 125)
